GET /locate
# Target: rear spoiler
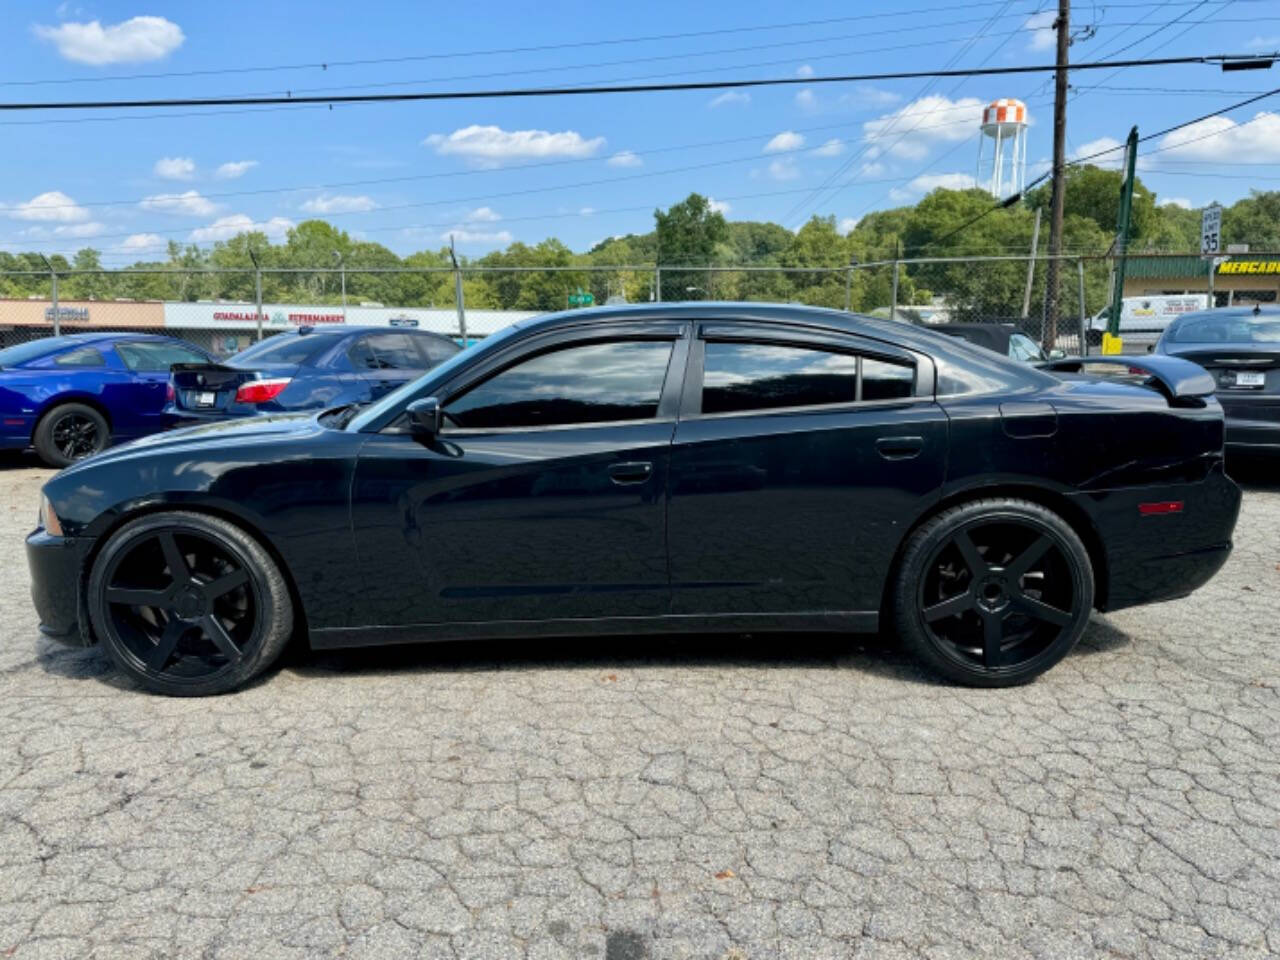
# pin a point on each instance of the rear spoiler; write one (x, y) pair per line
(1183, 382)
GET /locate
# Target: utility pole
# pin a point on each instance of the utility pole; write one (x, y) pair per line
(1058, 195)
(1031, 265)
(257, 291)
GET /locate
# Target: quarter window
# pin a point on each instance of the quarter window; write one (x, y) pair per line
(591, 383)
(758, 376)
(81, 357)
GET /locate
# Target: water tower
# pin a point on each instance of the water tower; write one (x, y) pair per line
(1005, 123)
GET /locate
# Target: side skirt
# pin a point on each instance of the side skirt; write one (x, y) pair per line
(828, 621)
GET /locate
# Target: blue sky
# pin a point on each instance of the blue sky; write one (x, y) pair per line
(579, 168)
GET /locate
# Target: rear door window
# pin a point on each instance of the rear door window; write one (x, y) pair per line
(395, 351)
(155, 357)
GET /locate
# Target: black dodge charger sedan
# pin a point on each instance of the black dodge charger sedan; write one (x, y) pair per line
(659, 468)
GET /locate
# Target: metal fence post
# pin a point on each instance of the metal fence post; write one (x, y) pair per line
(848, 289)
(657, 283)
(893, 307)
(257, 298)
(57, 319)
(457, 294)
(1084, 313)
(1031, 265)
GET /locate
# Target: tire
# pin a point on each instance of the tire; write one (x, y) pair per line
(992, 593)
(70, 432)
(223, 620)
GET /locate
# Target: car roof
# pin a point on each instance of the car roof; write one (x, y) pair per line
(99, 336)
(1235, 311)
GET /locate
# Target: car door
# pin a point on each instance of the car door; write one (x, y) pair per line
(390, 359)
(543, 497)
(799, 461)
(147, 364)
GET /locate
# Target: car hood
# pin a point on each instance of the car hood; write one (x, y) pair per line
(287, 428)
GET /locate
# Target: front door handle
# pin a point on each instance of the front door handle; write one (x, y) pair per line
(899, 448)
(631, 472)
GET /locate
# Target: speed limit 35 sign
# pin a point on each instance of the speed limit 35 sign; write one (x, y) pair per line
(1211, 230)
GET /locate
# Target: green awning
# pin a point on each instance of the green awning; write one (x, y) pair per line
(1165, 268)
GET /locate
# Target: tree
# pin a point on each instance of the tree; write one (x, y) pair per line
(1095, 193)
(1255, 220)
(689, 234)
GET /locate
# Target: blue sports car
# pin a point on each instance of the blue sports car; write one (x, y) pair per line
(306, 370)
(70, 397)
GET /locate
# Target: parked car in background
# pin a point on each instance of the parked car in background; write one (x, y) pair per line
(1143, 319)
(70, 397)
(1004, 338)
(306, 370)
(653, 468)
(1240, 347)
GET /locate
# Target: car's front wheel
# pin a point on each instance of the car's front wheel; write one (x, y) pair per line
(70, 432)
(188, 604)
(993, 593)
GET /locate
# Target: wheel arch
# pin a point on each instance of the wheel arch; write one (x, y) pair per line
(301, 630)
(62, 399)
(1075, 517)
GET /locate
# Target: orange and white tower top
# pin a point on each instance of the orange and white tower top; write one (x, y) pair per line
(1005, 170)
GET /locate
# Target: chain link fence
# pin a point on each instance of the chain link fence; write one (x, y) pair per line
(224, 311)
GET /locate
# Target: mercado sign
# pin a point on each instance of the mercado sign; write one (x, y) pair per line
(1248, 266)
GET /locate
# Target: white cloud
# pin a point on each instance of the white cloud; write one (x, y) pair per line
(1182, 202)
(786, 140)
(90, 229)
(54, 206)
(624, 158)
(832, 148)
(188, 204)
(804, 70)
(586, 211)
(136, 242)
(1222, 139)
(500, 238)
(1043, 36)
(807, 100)
(491, 145)
(234, 168)
(912, 130)
(339, 203)
(872, 169)
(224, 228)
(783, 169)
(721, 207)
(730, 97)
(1108, 161)
(175, 168)
(483, 215)
(847, 224)
(1264, 43)
(948, 181)
(132, 41)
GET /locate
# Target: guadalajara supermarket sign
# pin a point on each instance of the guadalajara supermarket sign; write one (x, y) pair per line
(286, 316)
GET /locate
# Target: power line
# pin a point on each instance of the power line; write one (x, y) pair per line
(615, 89)
(326, 65)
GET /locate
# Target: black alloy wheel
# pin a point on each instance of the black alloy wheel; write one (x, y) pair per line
(999, 592)
(70, 432)
(189, 604)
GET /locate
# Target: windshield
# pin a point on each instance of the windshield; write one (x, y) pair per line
(22, 352)
(285, 348)
(439, 374)
(1227, 330)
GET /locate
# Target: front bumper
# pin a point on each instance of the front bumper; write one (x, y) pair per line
(56, 564)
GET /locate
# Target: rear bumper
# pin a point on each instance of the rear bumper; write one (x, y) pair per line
(55, 564)
(1163, 556)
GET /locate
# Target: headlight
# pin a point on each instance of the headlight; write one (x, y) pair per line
(49, 519)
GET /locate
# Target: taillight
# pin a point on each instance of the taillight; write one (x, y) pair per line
(260, 391)
(169, 395)
(1157, 508)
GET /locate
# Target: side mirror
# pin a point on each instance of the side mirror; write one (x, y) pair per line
(425, 418)
(1057, 353)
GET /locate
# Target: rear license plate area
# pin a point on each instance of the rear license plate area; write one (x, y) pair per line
(1250, 378)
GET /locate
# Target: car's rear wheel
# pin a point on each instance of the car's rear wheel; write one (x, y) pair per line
(993, 593)
(70, 432)
(189, 605)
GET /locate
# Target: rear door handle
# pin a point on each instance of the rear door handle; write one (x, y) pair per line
(630, 472)
(899, 448)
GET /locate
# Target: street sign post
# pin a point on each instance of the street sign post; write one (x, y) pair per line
(1211, 231)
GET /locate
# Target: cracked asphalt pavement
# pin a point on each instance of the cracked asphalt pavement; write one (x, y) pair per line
(627, 799)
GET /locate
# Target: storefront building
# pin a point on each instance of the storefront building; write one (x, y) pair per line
(1236, 278)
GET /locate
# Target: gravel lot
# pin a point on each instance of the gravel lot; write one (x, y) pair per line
(628, 799)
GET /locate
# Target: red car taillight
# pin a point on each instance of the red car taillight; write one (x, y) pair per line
(260, 391)
(169, 395)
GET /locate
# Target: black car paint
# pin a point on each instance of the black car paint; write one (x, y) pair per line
(784, 519)
(1252, 415)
